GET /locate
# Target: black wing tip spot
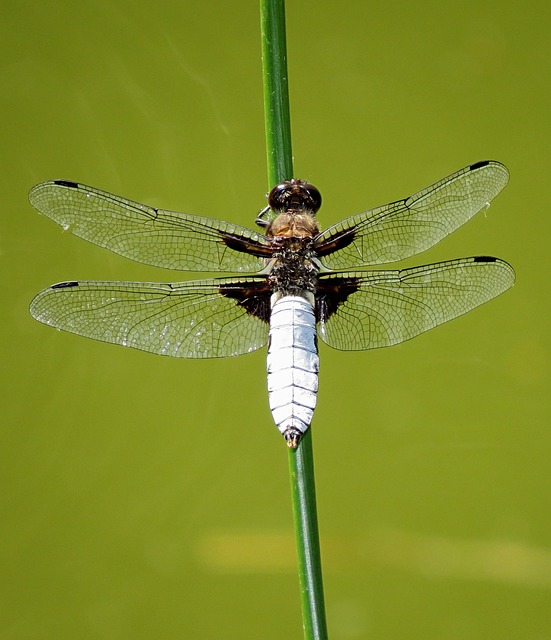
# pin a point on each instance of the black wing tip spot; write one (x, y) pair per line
(66, 183)
(479, 165)
(65, 285)
(485, 259)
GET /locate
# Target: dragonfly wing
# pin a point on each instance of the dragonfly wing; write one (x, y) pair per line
(153, 236)
(401, 229)
(371, 309)
(195, 319)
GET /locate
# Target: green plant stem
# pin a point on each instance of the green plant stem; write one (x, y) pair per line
(301, 460)
(303, 496)
(276, 91)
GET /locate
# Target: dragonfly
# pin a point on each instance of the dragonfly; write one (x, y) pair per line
(291, 282)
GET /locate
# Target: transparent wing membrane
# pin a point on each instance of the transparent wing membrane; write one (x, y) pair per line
(153, 236)
(384, 308)
(184, 320)
(404, 228)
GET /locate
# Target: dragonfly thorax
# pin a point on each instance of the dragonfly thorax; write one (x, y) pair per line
(293, 224)
(294, 269)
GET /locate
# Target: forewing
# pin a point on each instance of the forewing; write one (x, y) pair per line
(153, 236)
(406, 227)
(196, 319)
(367, 310)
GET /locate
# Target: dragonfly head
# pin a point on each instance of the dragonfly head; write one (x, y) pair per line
(294, 195)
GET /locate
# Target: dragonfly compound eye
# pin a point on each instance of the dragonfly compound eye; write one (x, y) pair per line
(294, 195)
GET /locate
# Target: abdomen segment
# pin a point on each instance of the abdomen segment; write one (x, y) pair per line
(293, 366)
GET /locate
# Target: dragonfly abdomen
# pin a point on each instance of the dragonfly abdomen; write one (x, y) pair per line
(293, 366)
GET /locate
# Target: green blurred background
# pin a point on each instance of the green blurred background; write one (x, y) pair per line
(144, 497)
